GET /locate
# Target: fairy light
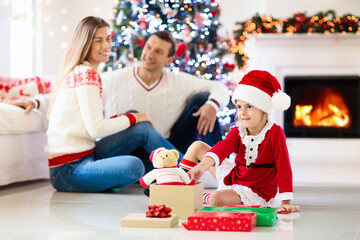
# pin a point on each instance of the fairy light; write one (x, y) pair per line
(64, 28)
(298, 24)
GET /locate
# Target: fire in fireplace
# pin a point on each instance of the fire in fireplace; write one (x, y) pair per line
(323, 106)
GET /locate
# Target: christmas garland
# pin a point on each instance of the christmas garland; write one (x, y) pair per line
(322, 22)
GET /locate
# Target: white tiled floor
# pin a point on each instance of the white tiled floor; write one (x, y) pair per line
(36, 211)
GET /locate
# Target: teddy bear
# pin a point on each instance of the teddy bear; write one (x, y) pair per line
(166, 172)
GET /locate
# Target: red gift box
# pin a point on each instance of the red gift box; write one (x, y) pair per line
(221, 221)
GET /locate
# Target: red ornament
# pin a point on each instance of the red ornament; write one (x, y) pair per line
(140, 42)
(344, 21)
(230, 66)
(300, 17)
(142, 24)
(214, 12)
(181, 48)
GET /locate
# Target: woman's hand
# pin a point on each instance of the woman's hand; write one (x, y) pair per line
(196, 172)
(286, 206)
(143, 117)
(25, 104)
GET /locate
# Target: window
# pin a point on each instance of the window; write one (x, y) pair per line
(22, 34)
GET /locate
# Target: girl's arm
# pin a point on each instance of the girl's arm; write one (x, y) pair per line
(284, 172)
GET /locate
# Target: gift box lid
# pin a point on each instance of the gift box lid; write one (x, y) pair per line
(265, 216)
(221, 215)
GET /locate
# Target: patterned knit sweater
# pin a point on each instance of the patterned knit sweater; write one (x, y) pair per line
(76, 118)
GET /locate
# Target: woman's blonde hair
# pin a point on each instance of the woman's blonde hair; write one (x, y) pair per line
(79, 49)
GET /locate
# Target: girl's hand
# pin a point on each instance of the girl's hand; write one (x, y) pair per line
(286, 206)
(143, 117)
(196, 172)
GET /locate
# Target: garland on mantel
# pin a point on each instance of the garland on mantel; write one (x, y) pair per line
(322, 22)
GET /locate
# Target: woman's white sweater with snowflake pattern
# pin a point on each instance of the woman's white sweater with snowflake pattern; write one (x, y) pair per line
(76, 118)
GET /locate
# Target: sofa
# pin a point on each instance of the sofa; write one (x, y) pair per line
(22, 136)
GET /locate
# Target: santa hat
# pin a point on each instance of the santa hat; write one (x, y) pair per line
(154, 153)
(262, 90)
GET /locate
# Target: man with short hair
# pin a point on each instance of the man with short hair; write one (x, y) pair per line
(183, 107)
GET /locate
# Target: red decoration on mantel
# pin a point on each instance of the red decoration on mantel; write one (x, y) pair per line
(221, 221)
(159, 211)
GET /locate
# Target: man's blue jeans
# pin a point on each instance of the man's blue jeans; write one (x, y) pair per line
(110, 166)
(184, 131)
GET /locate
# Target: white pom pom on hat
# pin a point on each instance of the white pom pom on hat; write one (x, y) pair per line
(281, 101)
(262, 90)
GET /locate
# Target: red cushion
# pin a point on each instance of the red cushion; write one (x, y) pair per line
(14, 88)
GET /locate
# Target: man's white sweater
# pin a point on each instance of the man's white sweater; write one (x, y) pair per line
(164, 101)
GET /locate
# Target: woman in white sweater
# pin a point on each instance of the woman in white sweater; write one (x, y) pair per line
(77, 161)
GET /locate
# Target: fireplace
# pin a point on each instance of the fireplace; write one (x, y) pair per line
(323, 106)
(319, 156)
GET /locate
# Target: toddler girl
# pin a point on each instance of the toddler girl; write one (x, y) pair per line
(261, 166)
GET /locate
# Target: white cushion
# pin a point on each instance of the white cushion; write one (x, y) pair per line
(13, 120)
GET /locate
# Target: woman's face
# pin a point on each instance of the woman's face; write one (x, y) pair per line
(100, 47)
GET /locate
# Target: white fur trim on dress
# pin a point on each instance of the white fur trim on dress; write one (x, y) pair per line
(248, 197)
(213, 156)
(286, 196)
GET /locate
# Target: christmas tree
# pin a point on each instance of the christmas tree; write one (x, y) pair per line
(202, 46)
(194, 23)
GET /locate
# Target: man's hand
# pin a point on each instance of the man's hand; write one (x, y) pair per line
(207, 118)
(25, 104)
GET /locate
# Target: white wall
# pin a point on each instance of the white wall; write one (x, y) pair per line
(60, 17)
(5, 41)
(59, 21)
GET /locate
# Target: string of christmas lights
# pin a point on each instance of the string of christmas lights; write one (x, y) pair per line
(322, 22)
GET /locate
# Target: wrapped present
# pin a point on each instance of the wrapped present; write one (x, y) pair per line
(264, 216)
(140, 220)
(182, 199)
(220, 221)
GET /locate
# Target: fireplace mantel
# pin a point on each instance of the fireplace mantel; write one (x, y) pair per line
(315, 161)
